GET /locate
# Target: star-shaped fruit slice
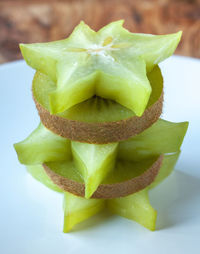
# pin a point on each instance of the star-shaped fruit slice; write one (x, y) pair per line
(135, 207)
(77, 209)
(94, 162)
(111, 63)
(163, 137)
(42, 146)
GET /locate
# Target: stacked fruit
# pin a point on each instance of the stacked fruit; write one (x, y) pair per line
(100, 141)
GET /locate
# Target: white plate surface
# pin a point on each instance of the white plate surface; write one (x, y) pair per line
(31, 215)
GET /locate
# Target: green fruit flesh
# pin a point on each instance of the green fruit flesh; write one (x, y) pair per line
(168, 164)
(41, 146)
(78, 209)
(66, 169)
(116, 75)
(94, 162)
(95, 109)
(161, 138)
(37, 171)
(111, 63)
(123, 171)
(126, 170)
(135, 207)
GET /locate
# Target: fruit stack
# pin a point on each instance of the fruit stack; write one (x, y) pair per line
(101, 142)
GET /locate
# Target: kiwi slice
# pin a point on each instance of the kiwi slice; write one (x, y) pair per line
(120, 175)
(77, 209)
(94, 163)
(42, 145)
(135, 207)
(97, 120)
(128, 177)
(111, 63)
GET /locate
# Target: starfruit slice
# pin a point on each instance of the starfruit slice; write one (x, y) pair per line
(111, 63)
(135, 207)
(162, 137)
(77, 209)
(168, 164)
(94, 162)
(37, 172)
(41, 146)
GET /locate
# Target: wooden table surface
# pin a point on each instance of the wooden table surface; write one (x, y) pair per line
(46, 20)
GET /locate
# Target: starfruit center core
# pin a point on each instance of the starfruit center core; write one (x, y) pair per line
(102, 49)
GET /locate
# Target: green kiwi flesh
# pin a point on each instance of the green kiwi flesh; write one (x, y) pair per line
(127, 178)
(97, 120)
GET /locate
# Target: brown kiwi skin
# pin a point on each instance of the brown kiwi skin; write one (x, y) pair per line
(108, 191)
(100, 133)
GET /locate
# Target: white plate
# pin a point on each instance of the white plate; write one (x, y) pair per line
(31, 215)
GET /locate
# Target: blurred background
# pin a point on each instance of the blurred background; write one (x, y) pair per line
(46, 20)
